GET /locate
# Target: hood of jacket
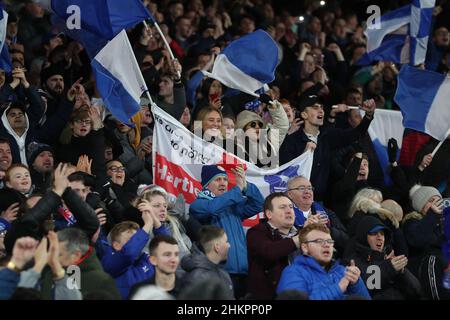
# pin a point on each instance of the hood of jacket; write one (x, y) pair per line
(8, 126)
(365, 225)
(20, 140)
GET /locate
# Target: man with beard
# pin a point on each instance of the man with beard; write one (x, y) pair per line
(40, 159)
(5, 159)
(52, 81)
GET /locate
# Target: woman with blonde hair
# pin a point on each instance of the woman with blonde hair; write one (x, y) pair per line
(155, 200)
(209, 123)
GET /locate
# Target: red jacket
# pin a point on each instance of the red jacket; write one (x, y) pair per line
(267, 254)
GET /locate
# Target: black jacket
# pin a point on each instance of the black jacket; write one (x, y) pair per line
(92, 145)
(393, 285)
(33, 222)
(329, 140)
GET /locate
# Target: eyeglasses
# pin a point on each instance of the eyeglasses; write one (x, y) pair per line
(303, 188)
(253, 124)
(86, 122)
(117, 169)
(321, 242)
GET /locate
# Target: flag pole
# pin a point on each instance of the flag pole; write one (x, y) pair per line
(164, 40)
(440, 143)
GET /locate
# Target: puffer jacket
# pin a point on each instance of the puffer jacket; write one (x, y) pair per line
(227, 211)
(308, 276)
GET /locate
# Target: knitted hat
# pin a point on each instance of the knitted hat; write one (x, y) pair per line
(54, 69)
(209, 173)
(246, 117)
(35, 149)
(420, 195)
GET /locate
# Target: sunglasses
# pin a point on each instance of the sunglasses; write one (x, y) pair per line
(253, 124)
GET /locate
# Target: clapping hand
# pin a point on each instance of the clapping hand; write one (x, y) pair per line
(241, 182)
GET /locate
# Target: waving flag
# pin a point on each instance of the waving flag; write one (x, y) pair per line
(401, 36)
(119, 78)
(180, 156)
(421, 16)
(5, 59)
(385, 125)
(423, 97)
(101, 20)
(247, 63)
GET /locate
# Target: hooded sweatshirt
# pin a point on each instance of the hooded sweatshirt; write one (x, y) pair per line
(20, 140)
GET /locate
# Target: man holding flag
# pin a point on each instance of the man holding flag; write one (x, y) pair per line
(321, 141)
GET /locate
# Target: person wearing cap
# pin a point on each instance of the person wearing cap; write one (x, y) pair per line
(216, 205)
(263, 144)
(52, 81)
(370, 251)
(40, 158)
(321, 141)
(423, 233)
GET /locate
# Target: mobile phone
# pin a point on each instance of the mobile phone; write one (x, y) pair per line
(213, 97)
(446, 202)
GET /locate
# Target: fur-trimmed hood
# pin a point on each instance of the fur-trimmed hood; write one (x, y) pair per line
(412, 215)
(369, 206)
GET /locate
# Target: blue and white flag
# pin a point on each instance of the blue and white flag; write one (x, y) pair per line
(423, 97)
(385, 125)
(421, 16)
(5, 59)
(104, 18)
(100, 20)
(401, 36)
(247, 63)
(119, 78)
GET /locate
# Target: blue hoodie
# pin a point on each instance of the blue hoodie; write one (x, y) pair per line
(308, 276)
(129, 265)
(227, 211)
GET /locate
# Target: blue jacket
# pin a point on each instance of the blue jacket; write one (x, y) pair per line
(227, 211)
(308, 276)
(129, 265)
(8, 283)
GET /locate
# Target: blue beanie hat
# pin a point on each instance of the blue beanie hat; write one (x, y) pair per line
(209, 173)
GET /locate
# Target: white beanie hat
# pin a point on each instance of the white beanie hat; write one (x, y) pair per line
(420, 195)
